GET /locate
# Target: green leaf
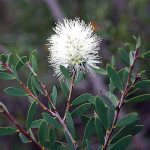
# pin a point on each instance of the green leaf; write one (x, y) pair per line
(52, 138)
(101, 112)
(34, 63)
(6, 76)
(7, 131)
(43, 132)
(138, 43)
(79, 77)
(69, 141)
(99, 130)
(31, 113)
(37, 84)
(146, 55)
(81, 109)
(84, 119)
(89, 146)
(129, 46)
(122, 143)
(21, 62)
(3, 58)
(70, 124)
(65, 72)
(36, 123)
(100, 71)
(131, 58)
(131, 129)
(125, 76)
(23, 138)
(64, 89)
(14, 72)
(112, 98)
(1, 68)
(81, 99)
(51, 120)
(114, 77)
(137, 99)
(15, 92)
(124, 55)
(142, 84)
(89, 130)
(128, 119)
(54, 95)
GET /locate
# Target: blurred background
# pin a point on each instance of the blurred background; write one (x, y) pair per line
(25, 26)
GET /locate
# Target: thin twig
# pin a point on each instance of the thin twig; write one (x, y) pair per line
(70, 93)
(121, 102)
(55, 113)
(21, 130)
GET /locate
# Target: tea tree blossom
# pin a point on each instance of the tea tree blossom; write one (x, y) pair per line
(73, 45)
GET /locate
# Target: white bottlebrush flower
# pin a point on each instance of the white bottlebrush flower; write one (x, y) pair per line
(75, 46)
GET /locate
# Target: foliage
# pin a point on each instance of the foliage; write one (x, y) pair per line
(112, 133)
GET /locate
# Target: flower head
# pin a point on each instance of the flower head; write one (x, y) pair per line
(74, 45)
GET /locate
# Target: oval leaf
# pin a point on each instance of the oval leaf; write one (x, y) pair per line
(51, 120)
(70, 124)
(81, 109)
(122, 143)
(130, 118)
(43, 132)
(65, 72)
(15, 91)
(89, 129)
(81, 99)
(7, 131)
(114, 77)
(31, 113)
(138, 99)
(6, 76)
(101, 112)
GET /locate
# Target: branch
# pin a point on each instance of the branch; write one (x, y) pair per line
(121, 102)
(55, 113)
(70, 93)
(18, 126)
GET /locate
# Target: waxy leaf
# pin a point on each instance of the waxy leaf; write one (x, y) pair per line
(64, 89)
(31, 113)
(54, 95)
(81, 109)
(65, 72)
(142, 84)
(23, 138)
(137, 99)
(7, 131)
(130, 129)
(14, 72)
(89, 129)
(37, 84)
(100, 71)
(21, 62)
(101, 112)
(79, 77)
(114, 77)
(43, 132)
(51, 120)
(122, 143)
(15, 91)
(6, 76)
(81, 99)
(70, 124)
(34, 63)
(99, 130)
(128, 119)
(36, 123)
